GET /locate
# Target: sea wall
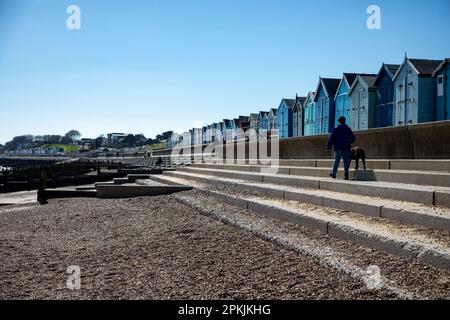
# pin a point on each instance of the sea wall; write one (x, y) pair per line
(420, 141)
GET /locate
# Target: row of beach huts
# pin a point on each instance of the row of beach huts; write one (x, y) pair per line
(415, 91)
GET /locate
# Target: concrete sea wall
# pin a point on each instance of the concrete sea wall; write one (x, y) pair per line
(421, 141)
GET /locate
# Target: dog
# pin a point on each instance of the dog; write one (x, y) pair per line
(358, 153)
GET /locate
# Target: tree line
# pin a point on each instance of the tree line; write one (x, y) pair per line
(139, 140)
(30, 141)
(73, 137)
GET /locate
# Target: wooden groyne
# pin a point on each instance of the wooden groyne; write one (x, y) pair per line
(33, 175)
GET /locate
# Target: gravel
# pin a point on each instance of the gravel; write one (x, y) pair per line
(160, 248)
(403, 275)
(151, 248)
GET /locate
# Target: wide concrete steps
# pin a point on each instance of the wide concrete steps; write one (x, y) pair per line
(398, 164)
(428, 178)
(135, 185)
(428, 195)
(404, 212)
(430, 247)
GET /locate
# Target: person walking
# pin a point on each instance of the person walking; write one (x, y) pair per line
(341, 138)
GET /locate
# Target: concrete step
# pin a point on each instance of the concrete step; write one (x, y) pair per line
(407, 242)
(415, 164)
(120, 180)
(430, 178)
(69, 192)
(372, 164)
(133, 185)
(133, 177)
(428, 195)
(130, 178)
(130, 190)
(404, 212)
(422, 165)
(86, 187)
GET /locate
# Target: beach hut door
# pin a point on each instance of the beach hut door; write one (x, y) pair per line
(400, 106)
(357, 111)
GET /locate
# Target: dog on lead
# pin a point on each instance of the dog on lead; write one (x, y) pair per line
(358, 153)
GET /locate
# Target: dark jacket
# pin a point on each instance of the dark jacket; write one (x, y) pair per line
(341, 138)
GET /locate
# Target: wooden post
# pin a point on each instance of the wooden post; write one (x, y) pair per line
(98, 169)
(41, 198)
(30, 177)
(75, 174)
(5, 179)
(75, 171)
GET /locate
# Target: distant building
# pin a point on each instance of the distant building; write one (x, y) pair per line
(325, 105)
(174, 140)
(229, 129)
(204, 131)
(297, 117)
(441, 75)
(342, 103)
(415, 92)
(263, 120)
(243, 122)
(39, 151)
(385, 103)
(197, 136)
(217, 132)
(114, 138)
(223, 129)
(210, 133)
(87, 144)
(363, 102)
(309, 115)
(191, 137)
(254, 122)
(273, 119)
(284, 118)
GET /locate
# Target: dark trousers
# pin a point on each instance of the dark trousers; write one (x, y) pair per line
(345, 155)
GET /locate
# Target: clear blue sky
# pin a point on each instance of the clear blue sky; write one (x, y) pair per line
(150, 66)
